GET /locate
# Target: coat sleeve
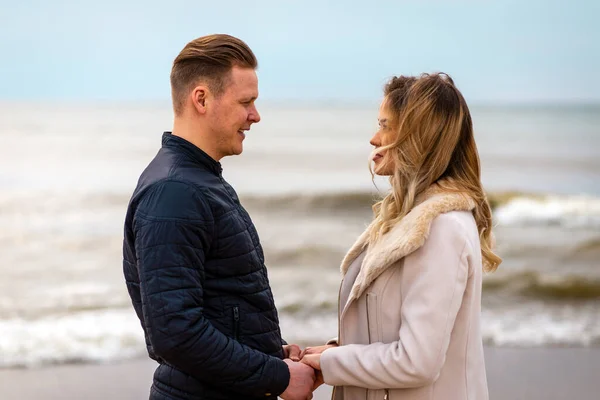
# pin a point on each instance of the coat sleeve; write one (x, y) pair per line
(434, 282)
(173, 228)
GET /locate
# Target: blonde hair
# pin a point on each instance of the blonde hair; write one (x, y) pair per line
(434, 144)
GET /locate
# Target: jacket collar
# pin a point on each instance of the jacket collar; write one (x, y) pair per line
(195, 153)
(404, 238)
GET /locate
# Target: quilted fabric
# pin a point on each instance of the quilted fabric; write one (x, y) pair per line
(194, 269)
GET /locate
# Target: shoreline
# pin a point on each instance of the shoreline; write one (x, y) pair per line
(555, 373)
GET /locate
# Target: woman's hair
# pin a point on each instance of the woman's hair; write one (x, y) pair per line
(433, 143)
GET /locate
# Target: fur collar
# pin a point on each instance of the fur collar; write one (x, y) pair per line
(404, 238)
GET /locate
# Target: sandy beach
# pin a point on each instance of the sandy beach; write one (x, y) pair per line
(513, 374)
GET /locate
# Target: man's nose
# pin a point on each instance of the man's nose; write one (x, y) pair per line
(254, 116)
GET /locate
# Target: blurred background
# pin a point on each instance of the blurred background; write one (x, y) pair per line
(84, 99)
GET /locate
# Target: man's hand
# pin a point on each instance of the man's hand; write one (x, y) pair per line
(302, 381)
(314, 361)
(292, 351)
(316, 349)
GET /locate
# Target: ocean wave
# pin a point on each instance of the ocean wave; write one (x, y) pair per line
(305, 255)
(111, 335)
(509, 208)
(568, 211)
(313, 201)
(92, 336)
(536, 325)
(352, 200)
(323, 225)
(52, 202)
(534, 284)
(508, 327)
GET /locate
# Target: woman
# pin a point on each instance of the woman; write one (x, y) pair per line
(410, 299)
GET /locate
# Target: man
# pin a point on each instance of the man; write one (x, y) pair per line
(192, 258)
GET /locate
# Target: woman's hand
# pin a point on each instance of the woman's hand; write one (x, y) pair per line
(316, 349)
(311, 356)
(314, 361)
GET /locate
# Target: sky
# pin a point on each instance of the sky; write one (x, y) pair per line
(509, 51)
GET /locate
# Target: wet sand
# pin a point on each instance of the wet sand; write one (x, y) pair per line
(513, 374)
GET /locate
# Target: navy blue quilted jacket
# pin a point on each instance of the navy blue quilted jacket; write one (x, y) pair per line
(194, 269)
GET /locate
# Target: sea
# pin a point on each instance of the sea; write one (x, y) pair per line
(67, 172)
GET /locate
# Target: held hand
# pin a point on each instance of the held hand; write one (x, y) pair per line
(314, 361)
(292, 351)
(302, 381)
(316, 349)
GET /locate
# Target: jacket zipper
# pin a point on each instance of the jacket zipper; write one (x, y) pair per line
(236, 323)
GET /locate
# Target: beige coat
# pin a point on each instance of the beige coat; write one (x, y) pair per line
(409, 326)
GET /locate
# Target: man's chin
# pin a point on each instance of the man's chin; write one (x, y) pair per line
(238, 151)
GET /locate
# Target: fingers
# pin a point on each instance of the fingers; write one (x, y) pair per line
(311, 350)
(315, 350)
(294, 352)
(305, 352)
(318, 380)
(310, 361)
(306, 361)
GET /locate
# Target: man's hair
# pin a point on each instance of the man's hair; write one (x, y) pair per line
(208, 60)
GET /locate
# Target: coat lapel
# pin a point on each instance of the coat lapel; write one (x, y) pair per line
(404, 238)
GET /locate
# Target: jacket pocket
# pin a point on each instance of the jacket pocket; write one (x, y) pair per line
(373, 318)
(236, 322)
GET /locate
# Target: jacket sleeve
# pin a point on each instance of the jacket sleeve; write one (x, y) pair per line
(173, 228)
(434, 281)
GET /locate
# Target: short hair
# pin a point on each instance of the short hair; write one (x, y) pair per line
(208, 59)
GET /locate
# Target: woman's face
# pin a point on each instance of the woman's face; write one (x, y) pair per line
(383, 162)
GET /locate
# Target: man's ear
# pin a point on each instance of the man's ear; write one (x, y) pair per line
(199, 97)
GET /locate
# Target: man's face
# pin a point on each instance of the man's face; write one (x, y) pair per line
(233, 112)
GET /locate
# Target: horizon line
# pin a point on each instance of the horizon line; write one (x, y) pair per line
(286, 102)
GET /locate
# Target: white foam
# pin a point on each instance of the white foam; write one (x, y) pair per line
(97, 336)
(569, 211)
(107, 335)
(533, 326)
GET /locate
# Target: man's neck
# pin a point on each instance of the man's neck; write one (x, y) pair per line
(195, 135)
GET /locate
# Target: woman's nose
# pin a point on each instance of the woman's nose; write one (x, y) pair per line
(375, 140)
